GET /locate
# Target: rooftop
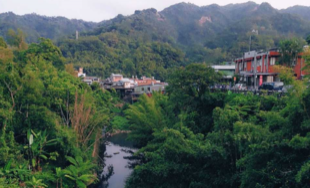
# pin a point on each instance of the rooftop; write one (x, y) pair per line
(223, 67)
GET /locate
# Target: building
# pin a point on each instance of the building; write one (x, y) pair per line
(133, 86)
(81, 73)
(228, 71)
(149, 88)
(125, 83)
(88, 79)
(254, 67)
(91, 79)
(116, 77)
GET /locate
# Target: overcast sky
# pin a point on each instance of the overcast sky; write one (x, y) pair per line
(98, 10)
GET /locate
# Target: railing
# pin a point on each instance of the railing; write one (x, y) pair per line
(251, 92)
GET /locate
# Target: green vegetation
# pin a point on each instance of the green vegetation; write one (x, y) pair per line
(112, 52)
(289, 50)
(50, 121)
(154, 43)
(35, 26)
(194, 138)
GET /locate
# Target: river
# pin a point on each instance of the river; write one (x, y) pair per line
(116, 149)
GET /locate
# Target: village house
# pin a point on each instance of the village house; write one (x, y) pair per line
(88, 79)
(133, 86)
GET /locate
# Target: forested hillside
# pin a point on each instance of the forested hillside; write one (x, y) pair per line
(302, 11)
(36, 26)
(211, 34)
(151, 42)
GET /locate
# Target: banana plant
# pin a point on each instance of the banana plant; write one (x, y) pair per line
(35, 183)
(36, 149)
(80, 172)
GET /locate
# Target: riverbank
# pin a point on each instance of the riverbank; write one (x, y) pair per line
(116, 132)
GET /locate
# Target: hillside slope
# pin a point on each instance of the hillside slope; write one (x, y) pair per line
(302, 11)
(35, 26)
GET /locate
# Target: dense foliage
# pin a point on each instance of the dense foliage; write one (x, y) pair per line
(195, 138)
(112, 52)
(50, 121)
(36, 26)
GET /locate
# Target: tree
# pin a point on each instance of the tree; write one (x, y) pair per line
(16, 39)
(146, 116)
(289, 50)
(48, 51)
(6, 55)
(37, 98)
(70, 69)
(3, 43)
(189, 92)
(308, 39)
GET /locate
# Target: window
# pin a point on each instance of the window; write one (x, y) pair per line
(269, 78)
(142, 89)
(272, 61)
(149, 89)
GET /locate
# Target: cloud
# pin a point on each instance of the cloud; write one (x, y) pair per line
(98, 10)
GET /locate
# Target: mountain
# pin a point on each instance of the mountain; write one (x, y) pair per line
(302, 11)
(150, 41)
(35, 26)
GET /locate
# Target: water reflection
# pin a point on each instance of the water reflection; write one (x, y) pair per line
(117, 150)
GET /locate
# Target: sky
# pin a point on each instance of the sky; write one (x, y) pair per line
(99, 10)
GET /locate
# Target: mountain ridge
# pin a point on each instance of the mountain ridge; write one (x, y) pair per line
(36, 26)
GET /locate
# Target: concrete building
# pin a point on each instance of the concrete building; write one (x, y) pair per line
(91, 79)
(133, 86)
(116, 77)
(255, 67)
(149, 88)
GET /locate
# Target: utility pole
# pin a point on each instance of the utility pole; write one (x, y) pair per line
(253, 31)
(255, 71)
(76, 35)
(250, 43)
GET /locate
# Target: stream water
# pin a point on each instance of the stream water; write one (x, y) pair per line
(117, 148)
